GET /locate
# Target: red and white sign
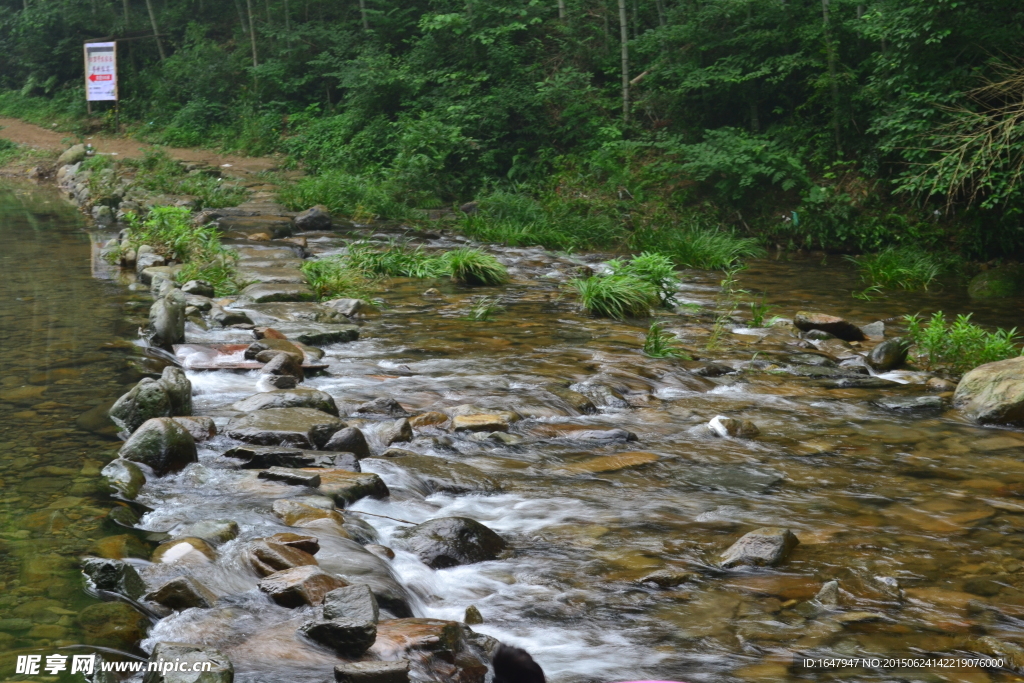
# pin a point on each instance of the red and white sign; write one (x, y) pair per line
(100, 71)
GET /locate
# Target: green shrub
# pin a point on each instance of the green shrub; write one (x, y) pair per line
(470, 266)
(334, 277)
(347, 194)
(899, 267)
(221, 273)
(395, 260)
(655, 269)
(661, 344)
(696, 247)
(616, 296)
(960, 345)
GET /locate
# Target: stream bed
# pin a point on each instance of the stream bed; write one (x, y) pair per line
(614, 569)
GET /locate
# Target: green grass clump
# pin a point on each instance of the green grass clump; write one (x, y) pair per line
(697, 247)
(899, 268)
(334, 277)
(470, 266)
(395, 260)
(961, 345)
(169, 230)
(660, 344)
(347, 194)
(616, 296)
(656, 269)
(158, 172)
(485, 309)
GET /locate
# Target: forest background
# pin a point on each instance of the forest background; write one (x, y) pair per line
(838, 124)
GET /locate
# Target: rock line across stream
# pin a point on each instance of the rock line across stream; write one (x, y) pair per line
(615, 484)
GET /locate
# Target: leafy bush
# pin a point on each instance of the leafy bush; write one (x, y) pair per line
(655, 269)
(899, 267)
(470, 266)
(704, 248)
(334, 277)
(661, 344)
(960, 345)
(616, 296)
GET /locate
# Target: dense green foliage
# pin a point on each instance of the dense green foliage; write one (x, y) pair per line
(845, 124)
(334, 277)
(960, 345)
(899, 267)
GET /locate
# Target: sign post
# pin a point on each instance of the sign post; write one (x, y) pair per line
(101, 73)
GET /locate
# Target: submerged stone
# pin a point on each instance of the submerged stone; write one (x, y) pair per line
(767, 546)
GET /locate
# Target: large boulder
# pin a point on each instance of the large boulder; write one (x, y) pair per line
(72, 155)
(350, 440)
(146, 400)
(839, 327)
(993, 393)
(345, 487)
(299, 427)
(451, 541)
(177, 661)
(183, 592)
(997, 283)
(289, 398)
(167, 320)
(179, 390)
(347, 622)
(162, 444)
(767, 546)
(123, 477)
(313, 219)
(267, 556)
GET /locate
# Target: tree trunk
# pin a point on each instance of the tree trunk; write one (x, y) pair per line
(831, 53)
(252, 34)
(288, 23)
(636, 20)
(561, 10)
(127, 20)
(156, 31)
(362, 13)
(624, 38)
(267, 3)
(755, 121)
(241, 17)
(661, 12)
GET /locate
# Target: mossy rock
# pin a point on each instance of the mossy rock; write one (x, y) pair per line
(998, 283)
(113, 624)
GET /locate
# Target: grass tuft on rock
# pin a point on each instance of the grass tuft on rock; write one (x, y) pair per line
(616, 296)
(899, 268)
(655, 269)
(334, 277)
(395, 260)
(474, 267)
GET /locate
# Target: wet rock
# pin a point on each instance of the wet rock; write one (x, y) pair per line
(72, 155)
(309, 544)
(667, 578)
(220, 669)
(828, 596)
(381, 551)
(472, 616)
(603, 435)
(812, 359)
(189, 549)
(993, 393)
(162, 444)
(724, 426)
(114, 575)
(350, 440)
(451, 541)
(201, 428)
(167, 321)
(428, 419)
(838, 327)
(97, 420)
(612, 463)
(301, 427)
(601, 394)
(146, 400)
(227, 318)
(267, 557)
(347, 638)
(383, 406)
(290, 398)
(198, 288)
(917, 404)
(351, 308)
(482, 422)
(283, 364)
(858, 383)
(313, 219)
(356, 603)
(325, 335)
(267, 292)
(265, 457)
(345, 487)
(287, 475)
(875, 330)
(183, 592)
(432, 293)
(306, 585)
(119, 547)
(124, 477)
(767, 546)
(271, 344)
(888, 355)
(372, 672)
(435, 474)
(216, 531)
(271, 382)
(443, 647)
(398, 432)
(997, 283)
(940, 384)
(113, 624)
(298, 514)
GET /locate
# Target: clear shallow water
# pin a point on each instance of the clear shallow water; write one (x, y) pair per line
(918, 516)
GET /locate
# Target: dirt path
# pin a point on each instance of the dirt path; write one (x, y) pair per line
(38, 137)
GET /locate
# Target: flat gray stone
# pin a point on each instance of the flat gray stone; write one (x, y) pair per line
(265, 293)
(299, 427)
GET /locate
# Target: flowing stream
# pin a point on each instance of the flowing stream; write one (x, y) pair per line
(919, 516)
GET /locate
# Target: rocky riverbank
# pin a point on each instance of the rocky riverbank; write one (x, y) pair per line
(278, 428)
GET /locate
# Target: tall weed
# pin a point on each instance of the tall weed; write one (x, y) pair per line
(960, 345)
